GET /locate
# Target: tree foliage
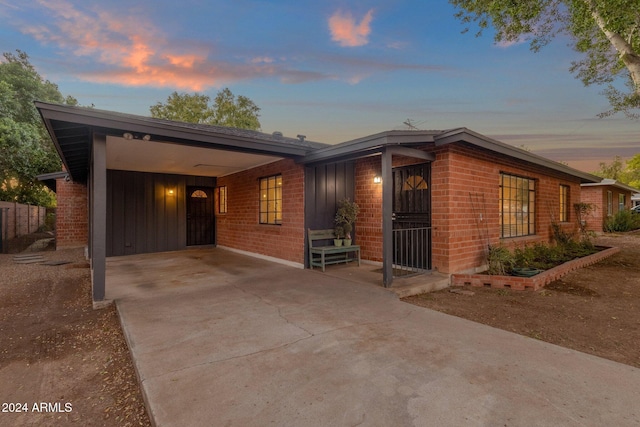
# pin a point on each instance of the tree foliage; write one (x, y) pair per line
(626, 172)
(27, 150)
(606, 32)
(226, 110)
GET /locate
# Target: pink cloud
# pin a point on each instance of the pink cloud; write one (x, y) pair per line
(347, 32)
(133, 52)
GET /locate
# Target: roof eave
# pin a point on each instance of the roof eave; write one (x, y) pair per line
(469, 136)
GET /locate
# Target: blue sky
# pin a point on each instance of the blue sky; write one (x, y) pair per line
(331, 70)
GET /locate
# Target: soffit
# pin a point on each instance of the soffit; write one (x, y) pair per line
(164, 157)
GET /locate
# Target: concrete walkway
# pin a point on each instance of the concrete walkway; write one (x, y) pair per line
(220, 339)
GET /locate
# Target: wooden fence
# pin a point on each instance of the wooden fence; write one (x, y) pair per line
(18, 219)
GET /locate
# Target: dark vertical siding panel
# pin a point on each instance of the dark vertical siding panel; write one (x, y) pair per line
(140, 213)
(150, 209)
(129, 212)
(141, 217)
(118, 215)
(160, 217)
(326, 185)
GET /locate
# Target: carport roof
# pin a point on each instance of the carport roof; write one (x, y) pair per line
(72, 129)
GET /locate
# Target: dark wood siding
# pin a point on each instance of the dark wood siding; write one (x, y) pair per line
(142, 217)
(325, 185)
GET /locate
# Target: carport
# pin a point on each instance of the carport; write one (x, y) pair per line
(139, 173)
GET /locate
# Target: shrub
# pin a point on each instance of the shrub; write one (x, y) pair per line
(501, 261)
(622, 221)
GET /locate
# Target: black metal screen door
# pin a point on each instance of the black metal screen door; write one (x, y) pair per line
(200, 224)
(412, 219)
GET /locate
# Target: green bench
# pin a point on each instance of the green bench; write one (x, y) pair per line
(321, 256)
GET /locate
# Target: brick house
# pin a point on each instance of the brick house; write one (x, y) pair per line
(607, 197)
(430, 200)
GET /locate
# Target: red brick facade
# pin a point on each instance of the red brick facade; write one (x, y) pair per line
(239, 228)
(465, 182)
(465, 186)
(72, 215)
(598, 197)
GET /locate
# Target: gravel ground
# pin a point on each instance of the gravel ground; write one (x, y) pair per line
(61, 362)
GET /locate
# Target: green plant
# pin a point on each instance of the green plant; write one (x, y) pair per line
(583, 210)
(346, 216)
(622, 221)
(339, 232)
(500, 260)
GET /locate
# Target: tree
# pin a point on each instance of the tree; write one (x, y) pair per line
(633, 171)
(227, 110)
(626, 172)
(613, 170)
(27, 150)
(607, 32)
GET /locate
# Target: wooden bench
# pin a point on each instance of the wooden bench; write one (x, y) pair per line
(320, 256)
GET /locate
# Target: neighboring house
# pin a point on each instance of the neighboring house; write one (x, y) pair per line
(635, 199)
(430, 200)
(607, 197)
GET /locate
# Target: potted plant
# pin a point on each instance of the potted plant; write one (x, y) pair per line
(339, 232)
(346, 216)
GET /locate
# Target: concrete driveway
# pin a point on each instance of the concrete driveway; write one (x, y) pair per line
(221, 339)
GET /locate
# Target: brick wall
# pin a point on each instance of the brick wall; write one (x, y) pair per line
(72, 217)
(465, 210)
(239, 228)
(597, 196)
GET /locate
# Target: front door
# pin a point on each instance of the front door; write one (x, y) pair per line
(412, 219)
(200, 221)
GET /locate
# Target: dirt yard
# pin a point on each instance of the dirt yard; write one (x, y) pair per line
(61, 362)
(595, 310)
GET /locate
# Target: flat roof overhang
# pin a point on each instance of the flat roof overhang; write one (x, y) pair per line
(154, 145)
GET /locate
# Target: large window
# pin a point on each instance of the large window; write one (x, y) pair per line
(609, 203)
(564, 203)
(271, 200)
(517, 205)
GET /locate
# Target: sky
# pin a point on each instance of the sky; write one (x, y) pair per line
(332, 70)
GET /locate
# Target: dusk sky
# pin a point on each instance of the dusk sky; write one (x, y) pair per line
(331, 70)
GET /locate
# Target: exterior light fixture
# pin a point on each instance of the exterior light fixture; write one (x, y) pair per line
(146, 138)
(170, 192)
(127, 135)
(377, 179)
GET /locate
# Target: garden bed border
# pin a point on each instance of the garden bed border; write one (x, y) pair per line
(535, 282)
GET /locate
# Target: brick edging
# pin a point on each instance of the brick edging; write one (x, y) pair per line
(536, 282)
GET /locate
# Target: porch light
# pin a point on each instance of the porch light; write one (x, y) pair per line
(377, 179)
(127, 135)
(170, 192)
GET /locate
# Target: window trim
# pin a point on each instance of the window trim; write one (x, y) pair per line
(522, 228)
(266, 214)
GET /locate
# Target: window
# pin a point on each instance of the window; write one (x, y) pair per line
(271, 200)
(222, 199)
(199, 194)
(609, 203)
(621, 202)
(564, 203)
(517, 206)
